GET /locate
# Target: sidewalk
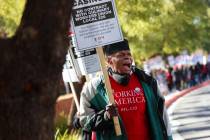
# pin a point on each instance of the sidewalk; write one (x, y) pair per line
(190, 115)
(172, 97)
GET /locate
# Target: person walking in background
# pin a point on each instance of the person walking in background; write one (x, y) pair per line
(204, 72)
(177, 74)
(198, 73)
(169, 78)
(208, 69)
(139, 104)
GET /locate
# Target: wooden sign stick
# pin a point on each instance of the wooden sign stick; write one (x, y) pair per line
(74, 95)
(108, 88)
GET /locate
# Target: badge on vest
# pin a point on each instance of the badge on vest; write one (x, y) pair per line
(137, 90)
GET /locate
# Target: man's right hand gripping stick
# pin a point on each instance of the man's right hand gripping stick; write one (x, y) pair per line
(112, 112)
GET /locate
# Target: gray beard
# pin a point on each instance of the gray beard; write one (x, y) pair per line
(122, 79)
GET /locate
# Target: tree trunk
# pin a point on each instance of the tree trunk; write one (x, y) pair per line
(31, 65)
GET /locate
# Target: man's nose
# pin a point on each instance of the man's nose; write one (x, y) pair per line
(128, 58)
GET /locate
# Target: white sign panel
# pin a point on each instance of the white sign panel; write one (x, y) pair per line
(71, 71)
(88, 60)
(95, 23)
(69, 74)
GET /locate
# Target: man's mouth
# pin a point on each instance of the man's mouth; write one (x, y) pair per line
(127, 65)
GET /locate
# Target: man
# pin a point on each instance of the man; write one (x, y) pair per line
(139, 105)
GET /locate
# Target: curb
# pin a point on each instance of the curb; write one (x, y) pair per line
(175, 96)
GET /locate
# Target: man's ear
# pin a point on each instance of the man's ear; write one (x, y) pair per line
(109, 60)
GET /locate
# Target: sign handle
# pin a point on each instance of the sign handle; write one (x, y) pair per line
(74, 95)
(109, 88)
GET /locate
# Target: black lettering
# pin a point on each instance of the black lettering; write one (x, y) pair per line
(93, 13)
(75, 3)
(85, 1)
(80, 2)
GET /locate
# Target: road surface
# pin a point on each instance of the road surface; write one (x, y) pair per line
(190, 115)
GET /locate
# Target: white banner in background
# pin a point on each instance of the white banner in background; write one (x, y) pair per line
(208, 60)
(197, 58)
(171, 60)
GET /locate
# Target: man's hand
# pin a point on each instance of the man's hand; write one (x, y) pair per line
(76, 122)
(111, 111)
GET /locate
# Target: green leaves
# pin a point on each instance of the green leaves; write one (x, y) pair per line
(152, 26)
(10, 15)
(164, 26)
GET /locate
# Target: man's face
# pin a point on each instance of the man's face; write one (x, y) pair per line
(121, 62)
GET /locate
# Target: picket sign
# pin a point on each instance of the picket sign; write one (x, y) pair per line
(108, 88)
(95, 23)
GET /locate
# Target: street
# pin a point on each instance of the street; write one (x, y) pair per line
(190, 115)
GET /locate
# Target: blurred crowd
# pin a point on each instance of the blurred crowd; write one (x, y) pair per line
(181, 77)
